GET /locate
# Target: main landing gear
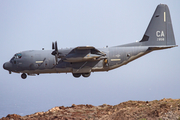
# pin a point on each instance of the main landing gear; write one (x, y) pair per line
(23, 76)
(77, 75)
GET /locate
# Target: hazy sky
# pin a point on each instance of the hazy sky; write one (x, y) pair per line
(33, 25)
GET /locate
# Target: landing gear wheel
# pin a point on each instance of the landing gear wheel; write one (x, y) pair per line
(86, 74)
(23, 76)
(76, 75)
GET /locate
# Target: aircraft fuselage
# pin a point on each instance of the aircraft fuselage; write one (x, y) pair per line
(41, 61)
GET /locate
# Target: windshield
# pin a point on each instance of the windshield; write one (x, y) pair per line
(16, 56)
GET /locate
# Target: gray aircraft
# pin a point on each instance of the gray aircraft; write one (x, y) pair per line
(83, 60)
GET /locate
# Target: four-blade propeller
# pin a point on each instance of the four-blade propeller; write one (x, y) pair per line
(54, 46)
(55, 52)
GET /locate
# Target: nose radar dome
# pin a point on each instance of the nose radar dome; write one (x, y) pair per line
(7, 65)
(4, 65)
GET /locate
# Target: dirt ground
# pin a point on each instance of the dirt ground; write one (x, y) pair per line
(165, 109)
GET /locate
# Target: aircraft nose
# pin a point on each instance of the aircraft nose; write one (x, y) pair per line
(7, 65)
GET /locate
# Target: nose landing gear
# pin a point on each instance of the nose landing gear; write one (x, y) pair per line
(23, 76)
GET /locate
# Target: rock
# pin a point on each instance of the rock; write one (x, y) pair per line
(13, 116)
(132, 110)
(73, 105)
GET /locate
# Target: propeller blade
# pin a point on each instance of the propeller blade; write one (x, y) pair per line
(52, 45)
(56, 59)
(56, 48)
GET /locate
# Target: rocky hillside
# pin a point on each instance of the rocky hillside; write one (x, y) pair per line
(165, 109)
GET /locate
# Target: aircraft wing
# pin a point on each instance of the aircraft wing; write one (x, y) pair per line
(84, 47)
(83, 53)
(92, 49)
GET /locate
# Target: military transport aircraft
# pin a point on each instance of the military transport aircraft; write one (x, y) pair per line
(83, 60)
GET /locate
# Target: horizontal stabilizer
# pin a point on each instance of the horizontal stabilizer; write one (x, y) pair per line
(161, 47)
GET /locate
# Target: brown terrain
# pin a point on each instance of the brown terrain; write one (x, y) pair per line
(165, 109)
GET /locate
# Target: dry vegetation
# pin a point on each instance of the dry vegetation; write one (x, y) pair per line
(165, 109)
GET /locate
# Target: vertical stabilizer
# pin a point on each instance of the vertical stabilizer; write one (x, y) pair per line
(160, 30)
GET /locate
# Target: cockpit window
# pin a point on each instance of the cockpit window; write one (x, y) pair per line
(18, 55)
